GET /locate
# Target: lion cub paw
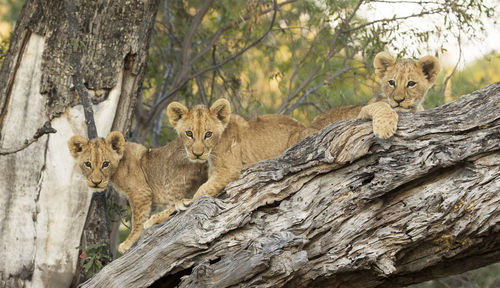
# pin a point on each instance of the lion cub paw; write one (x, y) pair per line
(122, 248)
(384, 130)
(150, 222)
(185, 202)
(385, 127)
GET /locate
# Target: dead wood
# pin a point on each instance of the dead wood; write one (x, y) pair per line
(341, 209)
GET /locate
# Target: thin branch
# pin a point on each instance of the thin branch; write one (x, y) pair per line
(332, 51)
(45, 129)
(177, 87)
(221, 30)
(447, 79)
(423, 13)
(214, 73)
(203, 97)
(188, 40)
(243, 50)
(77, 45)
(313, 89)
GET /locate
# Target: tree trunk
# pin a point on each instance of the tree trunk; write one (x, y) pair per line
(44, 199)
(341, 209)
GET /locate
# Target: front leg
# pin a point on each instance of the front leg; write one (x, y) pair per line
(384, 119)
(159, 217)
(141, 207)
(215, 183)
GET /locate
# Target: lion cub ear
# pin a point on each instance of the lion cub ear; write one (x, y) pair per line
(175, 111)
(76, 145)
(222, 110)
(430, 67)
(382, 61)
(117, 142)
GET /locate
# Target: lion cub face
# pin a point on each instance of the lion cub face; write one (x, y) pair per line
(405, 82)
(200, 128)
(98, 158)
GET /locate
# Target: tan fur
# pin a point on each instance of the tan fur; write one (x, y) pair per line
(161, 176)
(232, 142)
(404, 85)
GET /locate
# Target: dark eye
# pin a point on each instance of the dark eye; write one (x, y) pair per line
(88, 164)
(189, 134)
(392, 83)
(411, 84)
(105, 164)
(208, 134)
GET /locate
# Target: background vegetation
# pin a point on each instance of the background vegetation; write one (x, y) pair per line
(297, 58)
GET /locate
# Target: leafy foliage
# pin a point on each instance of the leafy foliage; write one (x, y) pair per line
(295, 57)
(95, 257)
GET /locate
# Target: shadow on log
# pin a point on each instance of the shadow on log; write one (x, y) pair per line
(341, 209)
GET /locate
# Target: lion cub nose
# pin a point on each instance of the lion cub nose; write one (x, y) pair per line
(96, 183)
(399, 100)
(197, 155)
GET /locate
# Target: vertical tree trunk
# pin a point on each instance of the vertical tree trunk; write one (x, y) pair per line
(43, 198)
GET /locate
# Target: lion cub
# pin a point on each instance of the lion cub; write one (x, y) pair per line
(160, 176)
(404, 85)
(227, 141)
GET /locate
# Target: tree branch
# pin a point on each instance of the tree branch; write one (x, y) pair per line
(186, 47)
(159, 108)
(341, 207)
(77, 46)
(223, 29)
(332, 51)
(311, 90)
(45, 129)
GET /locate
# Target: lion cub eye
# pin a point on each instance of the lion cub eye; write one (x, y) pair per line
(87, 163)
(208, 134)
(392, 83)
(189, 134)
(411, 84)
(105, 164)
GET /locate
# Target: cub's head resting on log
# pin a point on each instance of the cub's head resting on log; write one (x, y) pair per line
(227, 141)
(160, 176)
(405, 82)
(98, 158)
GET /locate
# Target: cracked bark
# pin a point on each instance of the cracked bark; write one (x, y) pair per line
(43, 199)
(341, 209)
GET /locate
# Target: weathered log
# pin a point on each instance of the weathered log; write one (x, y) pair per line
(342, 209)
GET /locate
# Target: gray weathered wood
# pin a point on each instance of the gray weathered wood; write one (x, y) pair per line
(421, 205)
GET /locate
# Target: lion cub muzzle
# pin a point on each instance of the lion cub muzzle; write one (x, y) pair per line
(198, 155)
(98, 158)
(97, 184)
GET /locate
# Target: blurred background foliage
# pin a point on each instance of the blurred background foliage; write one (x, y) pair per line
(297, 57)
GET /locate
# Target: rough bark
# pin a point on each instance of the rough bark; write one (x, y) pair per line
(341, 209)
(43, 199)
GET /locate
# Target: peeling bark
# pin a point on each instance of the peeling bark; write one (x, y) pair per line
(341, 209)
(43, 199)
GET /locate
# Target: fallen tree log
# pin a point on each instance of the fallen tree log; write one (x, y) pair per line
(341, 209)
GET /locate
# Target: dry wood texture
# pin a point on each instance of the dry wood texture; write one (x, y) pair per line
(341, 209)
